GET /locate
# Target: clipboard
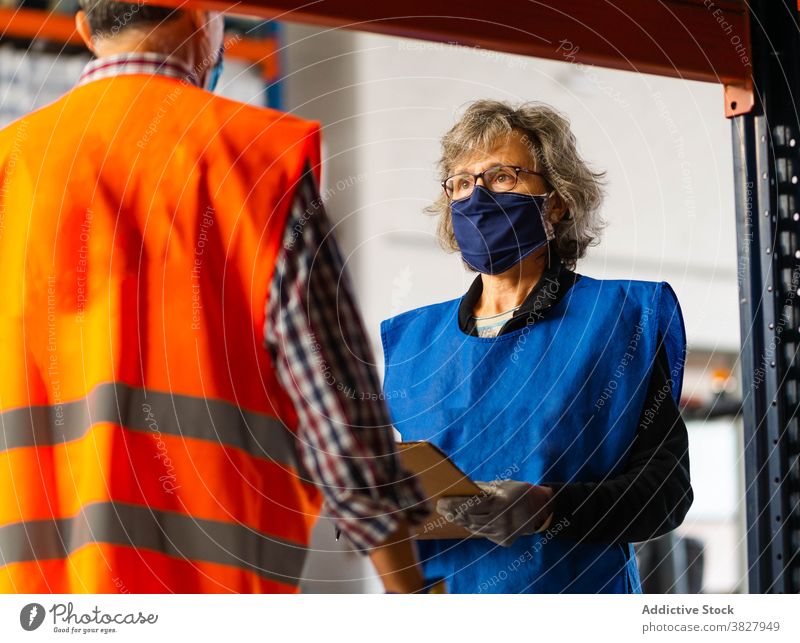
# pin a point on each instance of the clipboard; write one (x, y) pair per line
(439, 477)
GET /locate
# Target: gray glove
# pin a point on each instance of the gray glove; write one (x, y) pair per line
(506, 510)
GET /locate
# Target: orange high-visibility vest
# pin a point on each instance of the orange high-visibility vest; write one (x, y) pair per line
(145, 442)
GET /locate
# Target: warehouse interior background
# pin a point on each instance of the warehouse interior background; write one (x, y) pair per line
(384, 102)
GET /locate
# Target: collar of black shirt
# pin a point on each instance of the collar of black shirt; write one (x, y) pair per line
(554, 283)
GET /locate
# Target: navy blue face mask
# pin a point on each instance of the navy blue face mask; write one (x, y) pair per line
(497, 230)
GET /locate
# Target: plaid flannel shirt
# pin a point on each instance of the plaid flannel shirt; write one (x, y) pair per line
(315, 336)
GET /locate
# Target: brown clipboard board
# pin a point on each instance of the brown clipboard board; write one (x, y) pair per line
(440, 478)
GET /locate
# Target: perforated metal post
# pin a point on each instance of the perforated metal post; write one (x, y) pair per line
(766, 145)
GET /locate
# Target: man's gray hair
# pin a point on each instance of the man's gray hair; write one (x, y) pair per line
(485, 124)
(108, 17)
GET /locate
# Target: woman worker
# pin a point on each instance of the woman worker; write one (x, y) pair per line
(557, 391)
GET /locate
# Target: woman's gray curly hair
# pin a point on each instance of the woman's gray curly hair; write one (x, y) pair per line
(553, 148)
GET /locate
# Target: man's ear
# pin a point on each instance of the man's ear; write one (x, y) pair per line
(82, 27)
(198, 18)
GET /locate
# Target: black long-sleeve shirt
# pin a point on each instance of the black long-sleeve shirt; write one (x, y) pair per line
(653, 494)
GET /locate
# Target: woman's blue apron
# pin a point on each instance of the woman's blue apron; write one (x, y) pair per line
(556, 401)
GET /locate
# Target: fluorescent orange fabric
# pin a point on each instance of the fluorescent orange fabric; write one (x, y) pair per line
(145, 443)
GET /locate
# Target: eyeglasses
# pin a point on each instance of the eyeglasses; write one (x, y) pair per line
(501, 178)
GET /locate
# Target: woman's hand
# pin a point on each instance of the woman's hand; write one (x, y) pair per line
(506, 510)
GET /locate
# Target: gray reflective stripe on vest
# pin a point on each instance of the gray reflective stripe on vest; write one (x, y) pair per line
(167, 532)
(149, 411)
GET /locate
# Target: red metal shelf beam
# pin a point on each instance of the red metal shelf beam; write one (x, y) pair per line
(706, 40)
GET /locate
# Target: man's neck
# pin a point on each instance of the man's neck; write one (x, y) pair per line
(156, 44)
